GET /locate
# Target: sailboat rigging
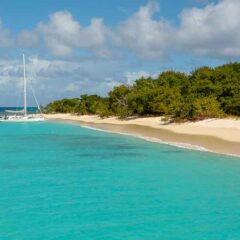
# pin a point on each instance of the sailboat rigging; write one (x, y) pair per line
(22, 115)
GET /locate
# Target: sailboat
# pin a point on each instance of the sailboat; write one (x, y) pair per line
(23, 115)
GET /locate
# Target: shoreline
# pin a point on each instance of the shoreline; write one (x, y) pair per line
(220, 136)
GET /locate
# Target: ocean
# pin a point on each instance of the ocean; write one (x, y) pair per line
(66, 182)
(31, 110)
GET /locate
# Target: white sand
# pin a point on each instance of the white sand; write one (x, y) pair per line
(226, 129)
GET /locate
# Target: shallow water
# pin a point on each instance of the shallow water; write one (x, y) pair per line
(62, 181)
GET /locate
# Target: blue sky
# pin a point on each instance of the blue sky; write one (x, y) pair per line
(79, 46)
(27, 13)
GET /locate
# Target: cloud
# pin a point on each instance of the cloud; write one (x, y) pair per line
(131, 77)
(146, 37)
(76, 58)
(53, 79)
(211, 31)
(72, 87)
(25, 39)
(62, 34)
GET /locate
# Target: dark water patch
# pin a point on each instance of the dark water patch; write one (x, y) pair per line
(126, 154)
(112, 155)
(122, 147)
(108, 155)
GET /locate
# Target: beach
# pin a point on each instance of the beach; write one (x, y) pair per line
(214, 135)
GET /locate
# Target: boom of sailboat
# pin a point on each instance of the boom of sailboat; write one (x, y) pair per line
(23, 115)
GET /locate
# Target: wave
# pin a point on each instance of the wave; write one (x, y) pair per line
(156, 140)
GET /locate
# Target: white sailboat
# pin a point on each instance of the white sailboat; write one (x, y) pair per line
(22, 115)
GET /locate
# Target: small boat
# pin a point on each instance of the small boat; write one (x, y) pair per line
(22, 115)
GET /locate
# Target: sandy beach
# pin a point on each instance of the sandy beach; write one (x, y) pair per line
(216, 135)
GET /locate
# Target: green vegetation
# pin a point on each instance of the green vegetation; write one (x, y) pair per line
(206, 92)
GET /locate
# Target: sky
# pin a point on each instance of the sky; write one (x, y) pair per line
(76, 47)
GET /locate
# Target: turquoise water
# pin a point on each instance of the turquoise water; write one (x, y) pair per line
(63, 182)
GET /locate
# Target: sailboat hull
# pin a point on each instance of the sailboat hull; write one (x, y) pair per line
(23, 119)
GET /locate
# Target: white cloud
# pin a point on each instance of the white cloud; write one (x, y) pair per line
(72, 87)
(146, 37)
(62, 33)
(131, 77)
(109, 83)
(211, 31)
(53, 79)
(25, 39)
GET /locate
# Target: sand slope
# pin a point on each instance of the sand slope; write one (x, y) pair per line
(227, 129)
(216, 135)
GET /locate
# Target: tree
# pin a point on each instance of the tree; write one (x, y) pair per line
(118, 101)
(206, 92)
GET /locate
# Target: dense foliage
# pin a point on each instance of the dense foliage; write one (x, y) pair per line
(206, 92)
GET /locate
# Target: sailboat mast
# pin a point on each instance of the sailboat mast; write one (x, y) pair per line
(24, 86)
